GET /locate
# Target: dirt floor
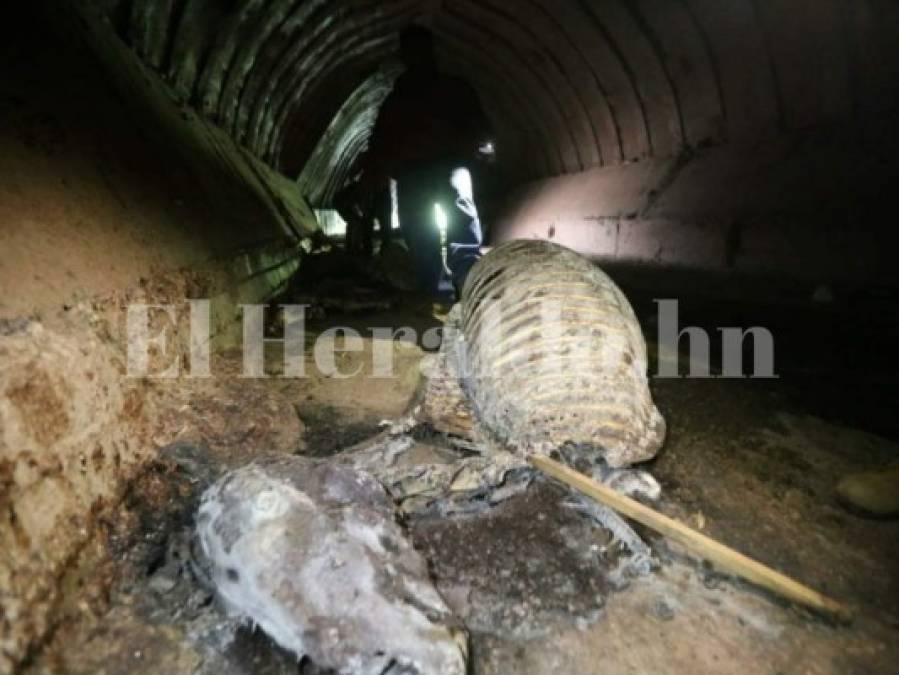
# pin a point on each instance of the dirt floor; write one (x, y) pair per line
(750, 462)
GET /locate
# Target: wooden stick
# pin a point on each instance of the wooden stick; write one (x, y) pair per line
(724, 557)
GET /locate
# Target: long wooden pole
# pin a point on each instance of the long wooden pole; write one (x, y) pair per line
(724, 557)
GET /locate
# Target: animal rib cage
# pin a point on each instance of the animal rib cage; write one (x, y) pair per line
(553, 354)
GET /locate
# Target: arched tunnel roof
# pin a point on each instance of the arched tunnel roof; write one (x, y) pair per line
(570, 84)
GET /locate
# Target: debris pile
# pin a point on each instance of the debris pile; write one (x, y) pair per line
(311, 552)
(332, 281)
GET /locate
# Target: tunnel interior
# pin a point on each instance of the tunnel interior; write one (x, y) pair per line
(174, 159)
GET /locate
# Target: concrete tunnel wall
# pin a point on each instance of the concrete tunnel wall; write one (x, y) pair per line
(694, 133)
(149, 141)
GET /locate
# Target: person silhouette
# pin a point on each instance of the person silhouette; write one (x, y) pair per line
(426, 137)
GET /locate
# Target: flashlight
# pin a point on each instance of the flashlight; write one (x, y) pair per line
(441, 220)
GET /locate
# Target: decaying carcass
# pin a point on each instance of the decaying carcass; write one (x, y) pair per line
(543, 354)
(545, 351)
(311, 552)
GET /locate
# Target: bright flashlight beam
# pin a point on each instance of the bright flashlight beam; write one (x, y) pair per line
(440, 217)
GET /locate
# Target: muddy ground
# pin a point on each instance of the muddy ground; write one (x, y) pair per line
(750, 462)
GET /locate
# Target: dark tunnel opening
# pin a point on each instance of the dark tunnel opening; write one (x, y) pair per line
(703, 189)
